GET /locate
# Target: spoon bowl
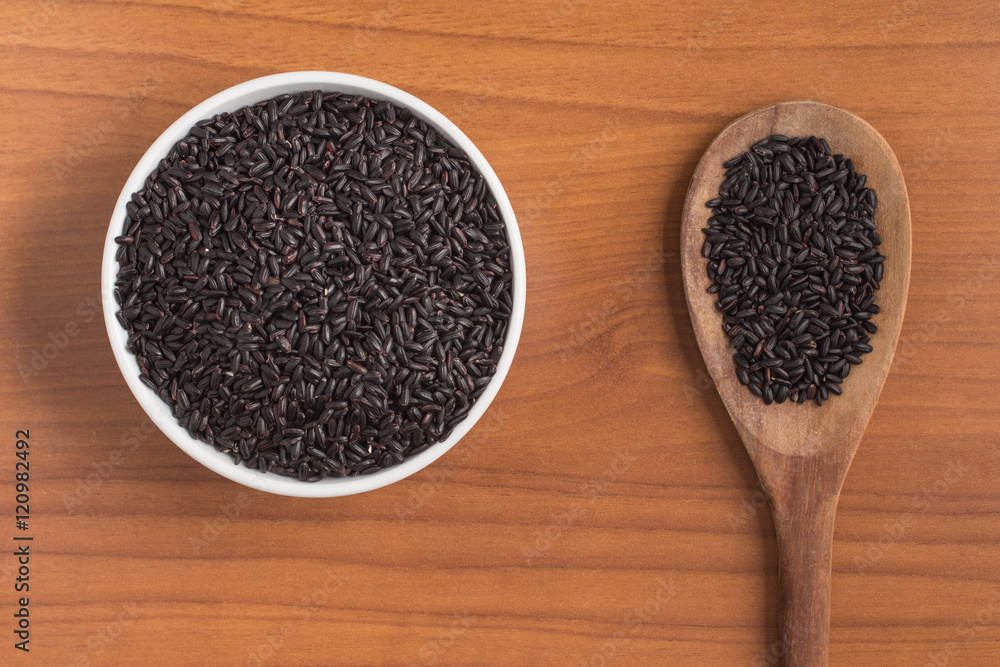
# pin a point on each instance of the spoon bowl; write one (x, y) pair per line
(802, 451)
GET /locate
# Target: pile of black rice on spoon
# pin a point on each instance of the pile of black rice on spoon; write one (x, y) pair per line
(317, 284)
(793, 254)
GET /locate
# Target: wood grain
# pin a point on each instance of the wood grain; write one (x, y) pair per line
(801, 452)
(530, 542)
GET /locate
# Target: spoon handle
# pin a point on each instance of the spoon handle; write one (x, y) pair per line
(803, 506)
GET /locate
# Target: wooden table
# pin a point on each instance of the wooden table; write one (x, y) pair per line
(605, 512)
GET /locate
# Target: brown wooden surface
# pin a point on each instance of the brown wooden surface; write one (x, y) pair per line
(605, 512)
(801, 452)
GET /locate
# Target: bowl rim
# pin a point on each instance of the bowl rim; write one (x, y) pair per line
(232, 99)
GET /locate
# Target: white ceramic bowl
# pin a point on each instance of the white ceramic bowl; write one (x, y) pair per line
(230, 100)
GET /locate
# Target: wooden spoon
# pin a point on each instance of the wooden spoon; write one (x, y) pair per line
(802, 452)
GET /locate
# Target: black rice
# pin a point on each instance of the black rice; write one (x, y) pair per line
(792, 251)
(318, 284)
